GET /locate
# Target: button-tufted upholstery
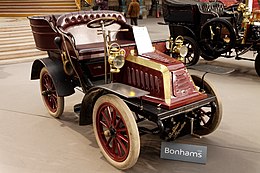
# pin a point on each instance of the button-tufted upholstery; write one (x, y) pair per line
(87, 40)
(83, 17)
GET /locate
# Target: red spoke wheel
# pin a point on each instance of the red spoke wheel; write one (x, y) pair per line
(208, 116)
(116, 131)
(53, 103)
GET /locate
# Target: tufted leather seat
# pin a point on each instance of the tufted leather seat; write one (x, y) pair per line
(87, 40)
(83, 17)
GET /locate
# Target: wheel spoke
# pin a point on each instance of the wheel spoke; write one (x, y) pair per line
(109, 112)
(119, 151)
(113, 120)
(104, 124)
(114, 145)
(122, 146)
(48, 82)
(118, 123)
(106, 118)
(122, 137)
(122, 130)
(53, 102)
(45, 85)
(108, 141)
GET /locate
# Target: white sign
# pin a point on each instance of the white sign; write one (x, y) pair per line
(142, 40)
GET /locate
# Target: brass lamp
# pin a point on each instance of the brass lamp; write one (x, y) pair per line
(116, 58)
(180, 49)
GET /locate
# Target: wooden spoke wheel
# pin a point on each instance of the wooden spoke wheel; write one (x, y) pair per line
(193, 54)
(217, 36)
(116, 131)
(209, 116)
(53, 103)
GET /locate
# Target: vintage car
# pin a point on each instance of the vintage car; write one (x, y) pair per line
(96, 52)
(214, 30)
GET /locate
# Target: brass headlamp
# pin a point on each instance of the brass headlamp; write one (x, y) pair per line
(180, 49)
(116, 57)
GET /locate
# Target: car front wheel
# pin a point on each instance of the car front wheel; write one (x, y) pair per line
(208, 116)
(116, 131)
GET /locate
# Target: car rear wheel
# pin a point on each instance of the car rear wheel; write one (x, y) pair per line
(257, 64)
(208, 116)
(53, 103)
(116, 131)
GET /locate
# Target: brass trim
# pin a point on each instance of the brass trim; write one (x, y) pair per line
(156, 66)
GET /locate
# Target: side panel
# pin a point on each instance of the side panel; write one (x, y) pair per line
(62, 82)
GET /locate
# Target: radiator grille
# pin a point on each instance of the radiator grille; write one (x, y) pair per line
(145, 80)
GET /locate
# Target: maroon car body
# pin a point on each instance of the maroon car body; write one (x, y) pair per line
(153, 87)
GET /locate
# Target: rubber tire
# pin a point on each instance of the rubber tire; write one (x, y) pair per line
(60, 100)
(257, 64)
(195, 48)
(211, 54)
(130, 122)
(217, 116)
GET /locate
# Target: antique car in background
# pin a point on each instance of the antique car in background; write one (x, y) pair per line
(214, 30)
(95, 51)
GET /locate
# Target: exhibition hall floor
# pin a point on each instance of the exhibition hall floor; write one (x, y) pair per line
(31, 141)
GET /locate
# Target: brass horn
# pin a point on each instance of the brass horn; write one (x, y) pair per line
(66, 64)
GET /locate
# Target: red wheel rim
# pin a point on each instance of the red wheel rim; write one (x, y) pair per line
(49, 92)
(112, 132)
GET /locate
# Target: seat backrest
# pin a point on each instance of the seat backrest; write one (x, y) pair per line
(76, 24)
(204, 7)
(218, 8)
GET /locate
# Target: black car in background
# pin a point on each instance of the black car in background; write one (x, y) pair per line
(213, 30)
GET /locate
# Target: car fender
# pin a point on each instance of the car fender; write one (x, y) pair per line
(121, 90)
(87, 104)
(62, 82)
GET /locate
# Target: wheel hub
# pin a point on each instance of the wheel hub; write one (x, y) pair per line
(47, 92)
(111, 132)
